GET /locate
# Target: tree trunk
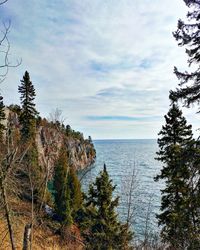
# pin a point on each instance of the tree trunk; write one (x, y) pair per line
(27, 234)
(45, 187)
(7, 213)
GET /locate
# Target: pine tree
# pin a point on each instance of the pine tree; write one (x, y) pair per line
(90, 139)
(105, 231)
(68, 130)
(74, 186)
(188, 35)
(29, 113)
(61, 187)
(31, 170)
(192, 159)
(176, 145)
(2, 118)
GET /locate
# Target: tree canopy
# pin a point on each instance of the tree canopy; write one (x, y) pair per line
(105, 230)
(188, 36)
(29, 113)
(178, 153)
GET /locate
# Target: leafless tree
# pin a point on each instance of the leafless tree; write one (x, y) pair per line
(56, 117)
(84, 172)
(26, 238)
(130, 199)
(5, 62)
(5, 53)
(10, 158)
(50, 157)
(28, 229)
(150, 239)
(129, 195)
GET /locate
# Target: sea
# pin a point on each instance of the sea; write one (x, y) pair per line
(132, 167)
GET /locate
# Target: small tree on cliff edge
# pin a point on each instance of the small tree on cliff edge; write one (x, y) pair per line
(176, 213)
(105, 231)
(29, 113)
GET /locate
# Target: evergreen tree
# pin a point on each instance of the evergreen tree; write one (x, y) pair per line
(15, 108)
(74, 186)
(68, 130)
(104, 230)
(188, 35)
(176, 145)
(61, 187)
(29, 113)
(2, 118)
(90, 139)
(31, 170)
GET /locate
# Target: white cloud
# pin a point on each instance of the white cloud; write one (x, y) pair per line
(75, 50)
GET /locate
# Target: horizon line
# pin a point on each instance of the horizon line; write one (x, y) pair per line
(124, 139)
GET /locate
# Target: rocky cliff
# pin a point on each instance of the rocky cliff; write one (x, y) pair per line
(49, 140)
(50, 137)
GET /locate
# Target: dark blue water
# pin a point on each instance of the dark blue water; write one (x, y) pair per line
(128, 160)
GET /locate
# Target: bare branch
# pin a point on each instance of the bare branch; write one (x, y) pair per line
(4, 42)
(56, 117)
(3, 238)
(1, 3)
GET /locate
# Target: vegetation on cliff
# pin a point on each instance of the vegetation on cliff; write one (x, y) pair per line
(34, 151)
(37, 151)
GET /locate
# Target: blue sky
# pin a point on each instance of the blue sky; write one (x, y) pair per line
(107, 64)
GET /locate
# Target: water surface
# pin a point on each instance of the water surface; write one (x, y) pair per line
(124, 159)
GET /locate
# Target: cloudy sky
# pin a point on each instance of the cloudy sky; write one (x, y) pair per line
(107, 64)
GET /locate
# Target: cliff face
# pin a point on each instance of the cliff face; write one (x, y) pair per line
(26, 181)
(49, 141)
(50, 137)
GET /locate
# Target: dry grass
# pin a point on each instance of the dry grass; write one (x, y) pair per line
(44, 233)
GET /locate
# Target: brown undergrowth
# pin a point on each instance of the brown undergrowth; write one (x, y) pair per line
(46, 232)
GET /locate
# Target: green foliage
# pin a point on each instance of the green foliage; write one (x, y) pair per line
(30, 175)
(177, 149)
(15, 108)
(68, 130)
(188, 35)
(174, 136)
(29, 113)
(104, 231)
(61, 187)
(68, 195)
(74, 134)
(91, 152)
(2, 118)
(76, 199)
(32, 167)
(89, 139)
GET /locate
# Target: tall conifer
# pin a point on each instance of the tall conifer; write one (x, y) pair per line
(188, 35)
(176, 213)
(74, 186)
(105, 231)
(29, 113)
(61, 187)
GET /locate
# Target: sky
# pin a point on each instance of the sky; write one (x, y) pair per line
(107, 64)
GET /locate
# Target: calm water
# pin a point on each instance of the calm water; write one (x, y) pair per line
(124, 159)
